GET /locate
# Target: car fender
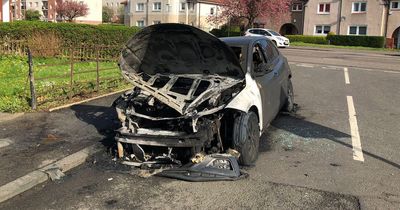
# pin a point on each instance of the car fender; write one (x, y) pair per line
(247, 98)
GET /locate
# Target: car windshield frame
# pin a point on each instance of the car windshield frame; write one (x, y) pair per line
(243, 60)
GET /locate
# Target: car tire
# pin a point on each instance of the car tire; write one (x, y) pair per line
(289, 102)
(246, 137)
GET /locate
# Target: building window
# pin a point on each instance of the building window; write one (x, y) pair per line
(139, 7)
(156, 22)
(324, 8)
(183, 6)
(322, 29)
(358, 30)
(359, 7)
(297, 7)
(140, 23)
(212, 11)
(190, 6)
(157, 6)
(395, 5)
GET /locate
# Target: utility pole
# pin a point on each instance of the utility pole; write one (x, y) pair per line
(339, 17)
(147, 12)
(387, 8)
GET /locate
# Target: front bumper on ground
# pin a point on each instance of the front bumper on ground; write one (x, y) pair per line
(213, 167)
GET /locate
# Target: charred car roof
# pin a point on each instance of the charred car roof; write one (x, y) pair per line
(179, 49)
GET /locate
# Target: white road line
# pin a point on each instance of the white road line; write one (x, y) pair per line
(355, 135)
(394, 72)
(346, 75)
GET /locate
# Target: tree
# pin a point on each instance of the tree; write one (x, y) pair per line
(250, 10)
(31, 14)
(108, 14)
(69, 10)
(121, 15)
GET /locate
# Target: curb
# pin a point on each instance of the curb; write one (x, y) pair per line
(4, 117)
(52, 171)
(87, 100)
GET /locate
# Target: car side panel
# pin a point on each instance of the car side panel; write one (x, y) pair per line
(248, 97)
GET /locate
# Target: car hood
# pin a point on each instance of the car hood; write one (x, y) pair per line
(178, 49)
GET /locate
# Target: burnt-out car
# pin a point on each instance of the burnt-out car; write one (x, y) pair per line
(198, 101)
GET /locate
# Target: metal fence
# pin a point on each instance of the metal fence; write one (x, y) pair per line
(57, 74)
(13, 47)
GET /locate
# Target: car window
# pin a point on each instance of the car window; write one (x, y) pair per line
(258, 55)
(240, 54)
(253, 31)
(275, 33)
(270, 50)
(265, 33)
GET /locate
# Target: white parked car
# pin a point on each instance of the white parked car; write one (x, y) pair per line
(275, 37)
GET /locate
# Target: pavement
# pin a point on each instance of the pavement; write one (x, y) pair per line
(339, 151)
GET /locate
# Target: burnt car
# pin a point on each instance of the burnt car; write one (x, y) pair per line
(198, 101)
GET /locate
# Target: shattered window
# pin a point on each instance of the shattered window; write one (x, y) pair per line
(240, 55)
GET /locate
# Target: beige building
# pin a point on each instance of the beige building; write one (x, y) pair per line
(195, 12)
(353, 17)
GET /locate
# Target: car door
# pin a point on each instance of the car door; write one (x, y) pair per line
(266, 81)
(277, 64)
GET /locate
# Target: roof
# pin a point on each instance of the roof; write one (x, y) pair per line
(209, 1)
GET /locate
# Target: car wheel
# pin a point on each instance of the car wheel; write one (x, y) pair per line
(246, 137)
(289, 103)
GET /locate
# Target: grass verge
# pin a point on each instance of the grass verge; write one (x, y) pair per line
(51, 92)
(302, 44)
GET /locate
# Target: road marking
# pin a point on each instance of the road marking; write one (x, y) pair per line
(355, 135)
(394, 72)
(341, 67)
(305, 65)
(5, 142)
(346, 75)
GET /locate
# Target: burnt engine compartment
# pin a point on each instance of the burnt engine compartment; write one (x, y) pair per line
(168, 119)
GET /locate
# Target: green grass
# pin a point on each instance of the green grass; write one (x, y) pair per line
(14, 83)
(302, 44)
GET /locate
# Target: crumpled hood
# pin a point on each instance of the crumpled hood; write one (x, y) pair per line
(178, 49)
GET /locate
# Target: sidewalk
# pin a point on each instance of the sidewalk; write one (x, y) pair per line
(38, 139)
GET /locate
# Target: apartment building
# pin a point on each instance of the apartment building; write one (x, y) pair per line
(15, 10)
(192, 12)
(353, 17)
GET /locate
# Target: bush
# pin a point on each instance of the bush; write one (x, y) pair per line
(71, 34)
(308, 39)
(224, 33)
(31, 14)
(108, 14)
(351, 40)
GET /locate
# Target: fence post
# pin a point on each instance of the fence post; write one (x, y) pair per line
(71, 82)
(97, 69)
(31, 80)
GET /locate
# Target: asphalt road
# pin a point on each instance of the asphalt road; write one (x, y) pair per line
(307, 161)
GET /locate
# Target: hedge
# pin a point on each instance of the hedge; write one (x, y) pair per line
(308, 39)
(351, 40)
(224, 33)
(70, 33)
